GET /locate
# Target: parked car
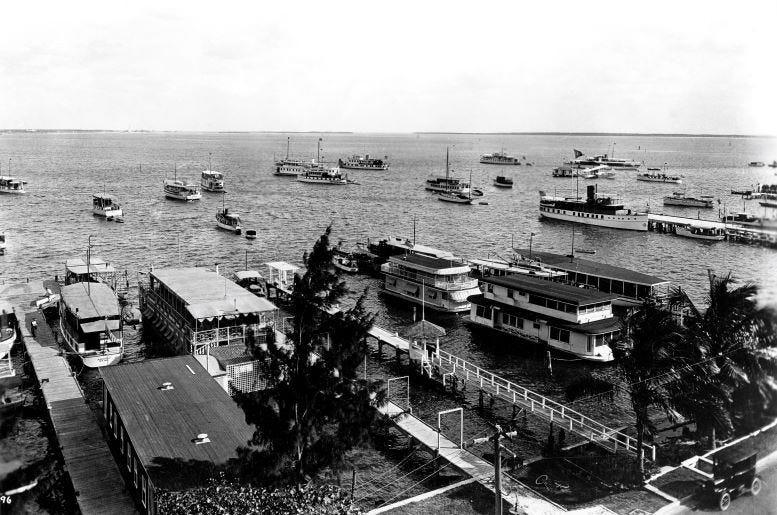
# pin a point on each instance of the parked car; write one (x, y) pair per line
(731, 476)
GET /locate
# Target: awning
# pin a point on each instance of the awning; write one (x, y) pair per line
(99, 326)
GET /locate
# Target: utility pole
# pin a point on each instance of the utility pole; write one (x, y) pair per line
(496, 437)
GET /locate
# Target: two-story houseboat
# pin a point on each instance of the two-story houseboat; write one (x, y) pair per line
(194, 309)
(573, 320)
(91, 324)
(443, 284)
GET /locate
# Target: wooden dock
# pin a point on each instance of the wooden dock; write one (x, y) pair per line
(97, 482)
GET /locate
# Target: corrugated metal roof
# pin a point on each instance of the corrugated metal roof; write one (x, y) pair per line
(95, 300)
(586, 266)
(162, 424)
(208, 294)
(447, 265)
(560, 291)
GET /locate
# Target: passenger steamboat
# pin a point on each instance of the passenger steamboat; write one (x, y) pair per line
(593, 210)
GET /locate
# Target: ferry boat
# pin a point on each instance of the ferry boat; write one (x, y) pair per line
(447, 184)
(292, 167)
(91, 324)
(328, 176)
(604, 160)
(8, 324)
(763, 191)
(658, 175)
(105, 205)
(364, 163)
(211, 180)
(702, 232)
(503, 182)
(679, 199)
(442, 284)
(594, 210)
(11, 185)
(576, 321)
(499, 158)
(384, 248)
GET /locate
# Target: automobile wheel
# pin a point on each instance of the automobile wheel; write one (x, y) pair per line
(724, 502)
(755, 486)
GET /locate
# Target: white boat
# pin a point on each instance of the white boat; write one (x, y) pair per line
(345, 262)
(105, 205)
(2, 244)
(568, 171)
(659, 175)
(212, 181)
(702, 232)
(8, 324)
(179, 190)
(456, 198)
(679, 199)
(292, 167)
(250, 234)
(752, 221)
(226, 220)
(603, 160)
(91, 324)
(443, 284)
(364, 163)
(519, 265)
(756, 164)
(11, 185)
(596, 210)
(447, 184)
(328, 176)
(503, 182)
(597, 172)
(500, 158)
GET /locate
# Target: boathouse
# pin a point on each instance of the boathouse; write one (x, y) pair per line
(574, 320)
(628, 285)
(195, 309)
(171, 425)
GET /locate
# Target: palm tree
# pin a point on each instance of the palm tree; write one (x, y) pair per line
(647, 354)
(733, 337)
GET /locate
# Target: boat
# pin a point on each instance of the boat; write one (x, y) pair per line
(477, 192)
(381, 249)
(443, 284)
(105, 205)
(503, 182)
(701, 232)
(658, 175)
(250, 234)
(177, 189)
(744, 193)
(518, 265)
(575, 321)
(345, 262)
(752, 221)
(763, 191)
(226, 220)
(212, 181)
(756, 164)
(446, 184)
(596, 210)
(8, 325)
(603, 160)
(252, 281)
(12, 398)
(12, 185)
(290, 166)
(327, 176)
(91, 324)
(364, 163)
(2, 244)
(456, 198)
(568, 171)
(768, 203)
(598, 172)
(773, 164)
(680, 199)
(499, 158)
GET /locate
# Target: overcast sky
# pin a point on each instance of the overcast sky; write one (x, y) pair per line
(391, 66)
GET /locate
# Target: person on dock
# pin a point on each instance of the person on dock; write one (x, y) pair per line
(33, 326)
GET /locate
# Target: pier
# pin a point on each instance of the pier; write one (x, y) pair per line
(733, 232)
(97, 482)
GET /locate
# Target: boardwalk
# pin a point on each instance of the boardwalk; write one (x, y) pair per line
(93, 472)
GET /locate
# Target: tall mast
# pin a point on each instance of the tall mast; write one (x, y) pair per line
(446, 162)
(209, 167)
(287, 147)
(414, 229)
(318, 152)
(470, 183)
(175, 171)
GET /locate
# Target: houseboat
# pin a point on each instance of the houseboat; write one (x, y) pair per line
(442, 284)
(177, 189)
(171, 426)
(594, 210)
(195, 309)
(364, 163)
(679, 199)
(503, 182)
(517, 266)
(572, 320)
(8, 325)
(499, 158)
(699, 231)
(11, 185)
(91, 324)
(212, 181)
(447, 184)
(331, 176)
(105, 205)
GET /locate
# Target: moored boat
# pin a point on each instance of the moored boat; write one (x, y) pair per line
(604, 160)
(568, 171)
(228, 221)
(105, 205)
(756, 164)
(357, 162)
(345, 262)
(176, 189)
(658, 175)
(456, 198)
(499, 158)
(447, 184)
(211, 180)
(2, 244)
(291, 167)
(503, 182)
(12, 185)
(91, 324)
(681, 200)
(702, 232)
(330, 176)
(596, 210)
(8, 325)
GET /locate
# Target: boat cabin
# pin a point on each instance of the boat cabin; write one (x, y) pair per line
(98, 271)
(172, 427)
(11, 184)
(252, 281)
(104, 203)
(91, 317)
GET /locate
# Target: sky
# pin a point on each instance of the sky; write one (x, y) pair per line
(391, 66)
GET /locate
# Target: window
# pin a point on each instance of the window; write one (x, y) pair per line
(135, 469)
(559, 334)
(483, 311)
(510, 293)
(128, 455)
(551, 304)
(590, 347)
(143, 481)
(490, 288)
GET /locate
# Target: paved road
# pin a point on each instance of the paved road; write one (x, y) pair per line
(764, 504)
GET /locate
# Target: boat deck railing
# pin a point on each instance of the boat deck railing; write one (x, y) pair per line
(457, 284)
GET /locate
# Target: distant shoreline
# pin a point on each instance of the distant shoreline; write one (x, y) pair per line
(144, 131)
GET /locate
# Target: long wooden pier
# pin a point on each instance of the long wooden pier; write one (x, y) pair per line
(732, 231)
(449, 366)
(96, 479)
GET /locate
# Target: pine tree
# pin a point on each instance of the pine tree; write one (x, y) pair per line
(318, 408)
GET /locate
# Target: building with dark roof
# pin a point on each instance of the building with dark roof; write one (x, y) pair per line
(577, 321)
(172, 425)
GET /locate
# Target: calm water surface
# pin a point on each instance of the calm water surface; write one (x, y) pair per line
(52, 222)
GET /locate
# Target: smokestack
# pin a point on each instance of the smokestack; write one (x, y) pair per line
(591, 192)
